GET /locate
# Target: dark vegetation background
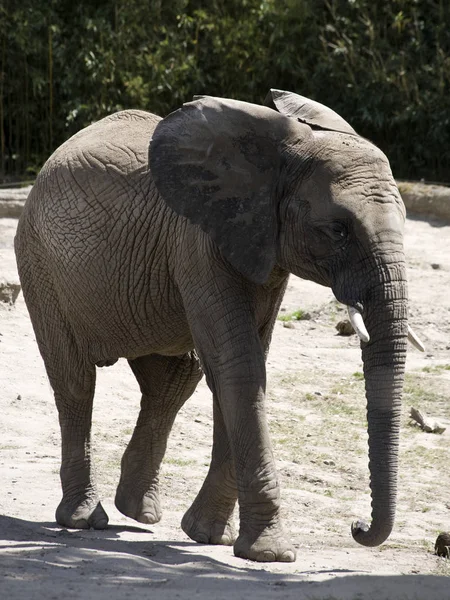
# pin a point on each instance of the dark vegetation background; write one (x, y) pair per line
(383, 65)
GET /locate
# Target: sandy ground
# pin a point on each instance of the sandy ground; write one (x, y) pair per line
(316, 415)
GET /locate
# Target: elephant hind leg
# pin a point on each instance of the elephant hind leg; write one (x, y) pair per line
(166, 382)
(80, 507)
(73, 383)
(210, 518)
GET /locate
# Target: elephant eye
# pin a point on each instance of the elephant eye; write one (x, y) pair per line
(328, 238)
(338, 231)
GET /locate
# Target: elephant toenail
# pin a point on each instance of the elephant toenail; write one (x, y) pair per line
(287, 556)
(267, 556)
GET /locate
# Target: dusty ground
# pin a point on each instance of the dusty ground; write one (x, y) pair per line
(317, 418)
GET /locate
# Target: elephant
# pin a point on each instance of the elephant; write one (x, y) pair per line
(169, 242)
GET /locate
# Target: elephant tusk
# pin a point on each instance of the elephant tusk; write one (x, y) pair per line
(358, 323)
(415, 341)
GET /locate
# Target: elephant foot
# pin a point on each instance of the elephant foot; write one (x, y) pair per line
(144, 508)
(270, 545)
(81, 515)
(210, 525)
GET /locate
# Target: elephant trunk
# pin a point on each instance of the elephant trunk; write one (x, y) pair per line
(384, 363)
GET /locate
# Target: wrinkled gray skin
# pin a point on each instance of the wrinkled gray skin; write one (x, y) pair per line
(186, 254)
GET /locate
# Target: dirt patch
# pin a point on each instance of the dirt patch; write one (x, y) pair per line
(316, 413)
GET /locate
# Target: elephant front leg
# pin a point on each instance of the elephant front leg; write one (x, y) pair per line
(261, 534)
(236, 368)
(166, 383)
(209, 519)
(80, 507)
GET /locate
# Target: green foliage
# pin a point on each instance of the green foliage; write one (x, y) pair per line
(385, 66)
(436, 369)
(297, 315)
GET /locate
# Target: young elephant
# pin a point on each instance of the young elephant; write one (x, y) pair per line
(157, 240)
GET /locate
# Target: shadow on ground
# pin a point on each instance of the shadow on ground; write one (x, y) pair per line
(41, 560)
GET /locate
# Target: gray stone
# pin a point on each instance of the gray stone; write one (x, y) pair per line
(426, 199)
(8, 291)
(12, 201)
(345, 328)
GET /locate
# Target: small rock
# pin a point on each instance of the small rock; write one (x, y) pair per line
(318, 393)
(8, 291)
(442, 545)
(304, 316)
(331, 463)
(435, 266)
(288, 324)
(345, 328)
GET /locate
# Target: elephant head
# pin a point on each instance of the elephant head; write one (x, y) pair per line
(297, 188)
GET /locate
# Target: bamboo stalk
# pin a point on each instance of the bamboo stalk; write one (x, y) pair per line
(2, 113)
(27, 114)
(50, 86)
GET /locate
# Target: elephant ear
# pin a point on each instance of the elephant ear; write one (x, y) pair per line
(216, 162)
(307, 111)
